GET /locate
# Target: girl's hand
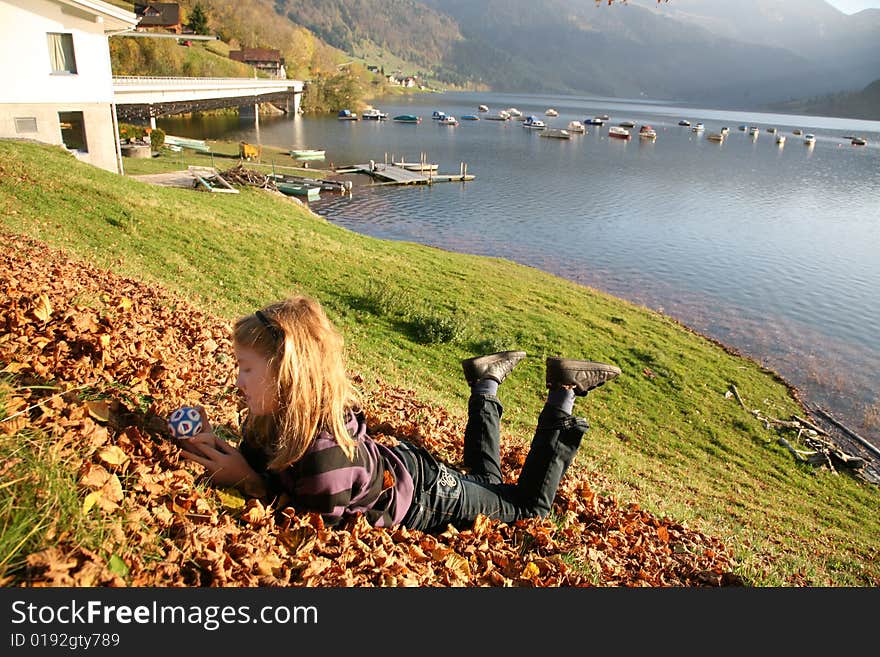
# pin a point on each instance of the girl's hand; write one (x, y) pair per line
(224, 464)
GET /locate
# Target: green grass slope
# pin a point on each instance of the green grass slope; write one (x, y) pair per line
(664, 435)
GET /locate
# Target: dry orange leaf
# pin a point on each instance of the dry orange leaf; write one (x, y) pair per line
(42, 308)
(99, 409)
(112, 456)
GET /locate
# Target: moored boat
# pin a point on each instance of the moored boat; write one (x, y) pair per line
(595, 121)
(810, 139)
(627, 124)
(500, 116)
(533, 123)
(372, 114)
(448, 119)
(417, 166)
(551, 112)
(347, 115)
(617, 132)
(698, 128)
(470, 117)
(302, 190)
(408, 118)
(647, 132)
(483, 108)
(716, 137)
(577, 127)
(797, 131)
(685, 123)
(859, 141)
(556, 133)
(780, 139)
(307, 154)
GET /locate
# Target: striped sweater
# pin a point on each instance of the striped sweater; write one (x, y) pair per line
(376, 483)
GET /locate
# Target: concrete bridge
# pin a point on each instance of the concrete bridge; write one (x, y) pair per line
(141, 98)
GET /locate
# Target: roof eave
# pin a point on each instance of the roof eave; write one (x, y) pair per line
(113, 18)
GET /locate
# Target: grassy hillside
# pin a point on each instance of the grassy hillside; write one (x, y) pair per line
(666, 435)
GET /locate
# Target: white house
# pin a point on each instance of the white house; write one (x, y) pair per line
(56, 83)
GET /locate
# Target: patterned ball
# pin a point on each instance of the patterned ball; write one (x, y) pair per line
(185, 422)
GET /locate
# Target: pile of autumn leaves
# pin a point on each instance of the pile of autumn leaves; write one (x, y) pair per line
(96, 362)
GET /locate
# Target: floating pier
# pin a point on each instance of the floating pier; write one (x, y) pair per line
(407, 173)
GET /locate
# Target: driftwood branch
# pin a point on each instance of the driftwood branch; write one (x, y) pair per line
(848, 431)
(736, 394)
(821, 448)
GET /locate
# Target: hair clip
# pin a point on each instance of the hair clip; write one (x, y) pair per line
(276, 332)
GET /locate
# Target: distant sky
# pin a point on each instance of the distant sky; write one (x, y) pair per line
(852, 6)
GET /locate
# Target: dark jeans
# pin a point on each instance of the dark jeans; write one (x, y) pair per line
(444, 496)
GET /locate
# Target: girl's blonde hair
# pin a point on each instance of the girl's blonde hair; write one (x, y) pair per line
(313, 392)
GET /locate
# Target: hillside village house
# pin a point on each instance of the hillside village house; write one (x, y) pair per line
(264, 59)
(56, 76)
(159, 16)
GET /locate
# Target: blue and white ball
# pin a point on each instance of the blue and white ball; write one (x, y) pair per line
(185, 422)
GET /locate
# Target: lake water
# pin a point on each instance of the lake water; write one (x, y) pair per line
(773, 250)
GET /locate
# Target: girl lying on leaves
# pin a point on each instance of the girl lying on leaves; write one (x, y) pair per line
(305, 436)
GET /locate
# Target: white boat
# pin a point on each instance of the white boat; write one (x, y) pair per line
(500, 116)
(725, 130)
(753, 131)
(577, 127)
(417, 166)
(595, 121)
(685, 123)
(780, 139)
(859, 141)
(483, 108)
(556, 133)
(515, 113)
(448, 119)
(307, 154)
(551, 112)
(647, 132)
(533, 123)
(372, 114)
(698, 128)
(185, 142)
(619, 133)
(810, 139)
(627, 124)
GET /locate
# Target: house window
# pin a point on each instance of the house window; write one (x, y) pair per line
(25, 124)
(73, 131)
(61, 54)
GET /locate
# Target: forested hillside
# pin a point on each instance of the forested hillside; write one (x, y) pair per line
(864, 104)
(411, 30)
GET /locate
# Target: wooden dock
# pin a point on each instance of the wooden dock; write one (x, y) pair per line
(390, 174)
